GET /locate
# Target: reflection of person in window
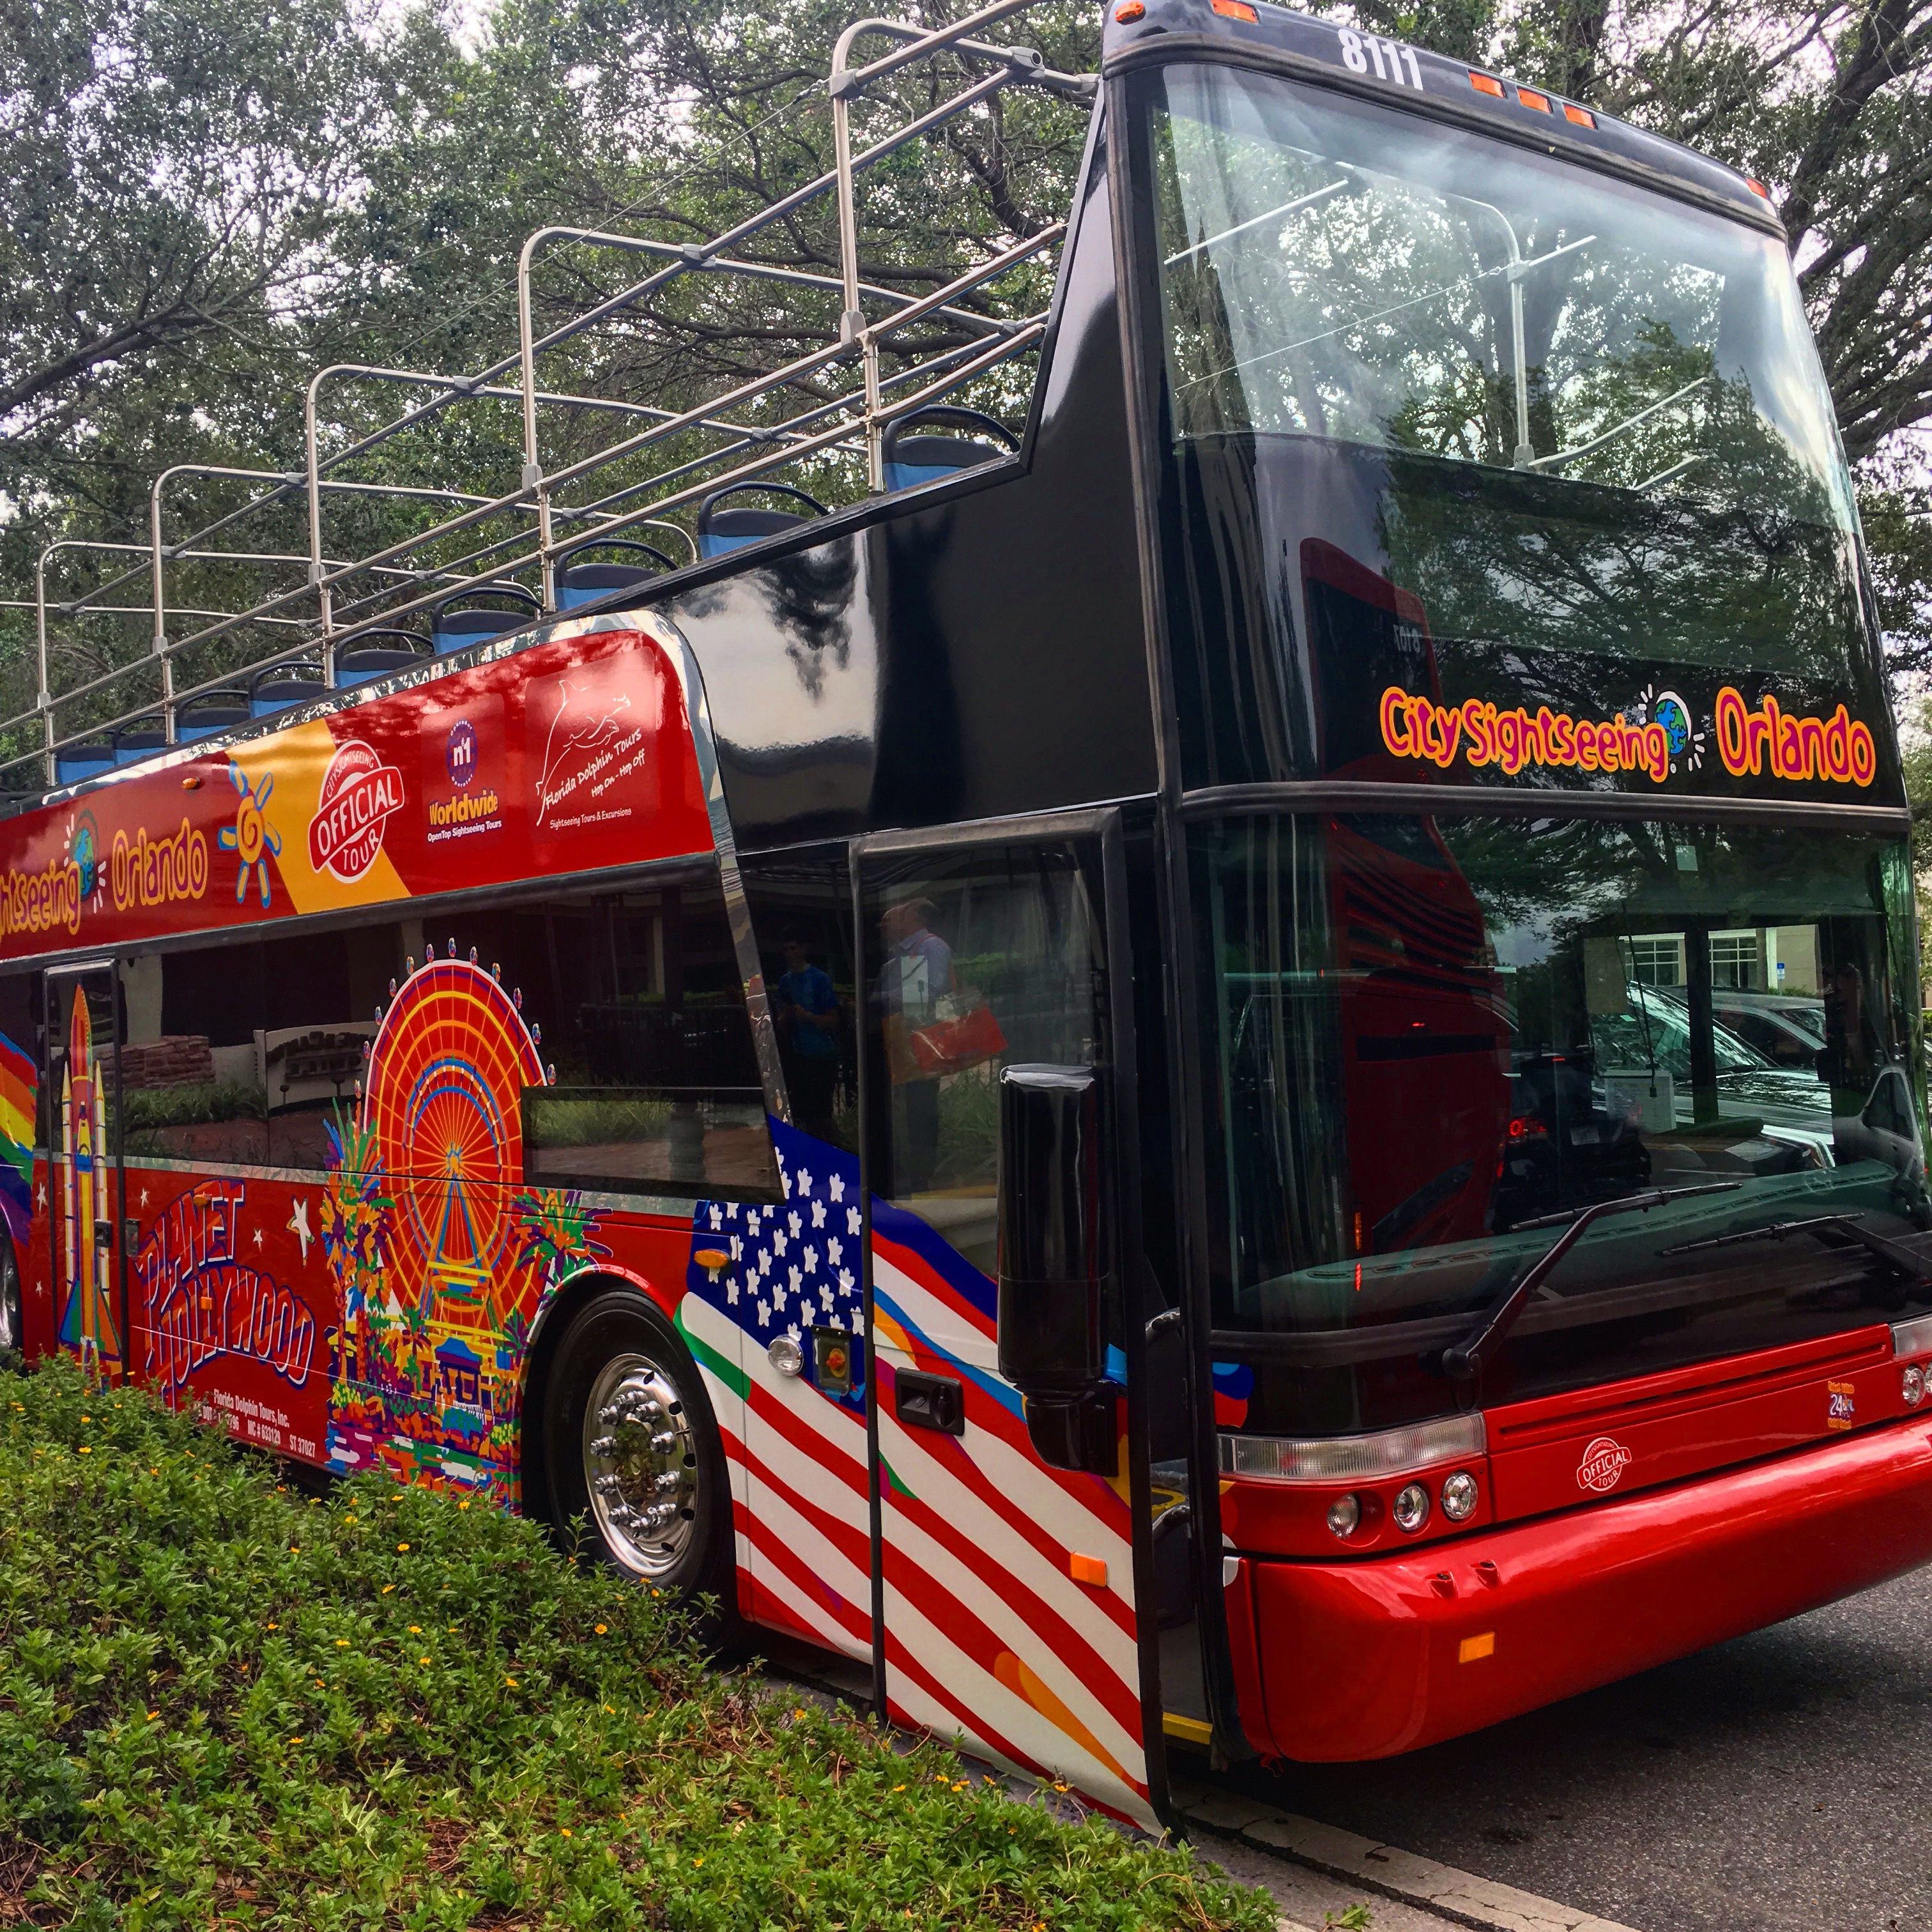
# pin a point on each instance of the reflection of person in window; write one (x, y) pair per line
(917, 976)
(807, 1013)
(1852, 1044)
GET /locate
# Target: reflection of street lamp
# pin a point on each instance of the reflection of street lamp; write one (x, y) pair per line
(1518, 270)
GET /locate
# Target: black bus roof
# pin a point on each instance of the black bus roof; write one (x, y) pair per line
(1257, 34)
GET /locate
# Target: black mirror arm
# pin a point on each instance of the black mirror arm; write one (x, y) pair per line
(1466, 1361)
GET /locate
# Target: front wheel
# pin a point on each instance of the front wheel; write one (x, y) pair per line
(631, 1447)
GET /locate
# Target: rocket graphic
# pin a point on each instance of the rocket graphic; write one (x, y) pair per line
(88, 1325)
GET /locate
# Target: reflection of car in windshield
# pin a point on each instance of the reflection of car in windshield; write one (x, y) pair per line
(1785, 1028)
(1653, 1033)
(1565, 1147)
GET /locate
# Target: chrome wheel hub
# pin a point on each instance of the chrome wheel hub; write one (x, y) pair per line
(640, 1465)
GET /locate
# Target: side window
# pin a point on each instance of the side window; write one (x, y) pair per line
(972, 962)
(637, 1002)
(802, 913)
(239, 1055)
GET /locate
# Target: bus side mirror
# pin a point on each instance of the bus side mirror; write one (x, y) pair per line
(1055, 1253)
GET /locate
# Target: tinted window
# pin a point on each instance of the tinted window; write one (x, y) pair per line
(1430, 1056)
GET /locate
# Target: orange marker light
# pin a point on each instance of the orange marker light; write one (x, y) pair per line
(1530, 97)
(1757, 187)
(1132, 11)
(1092, 1569)
(1236, 10)
(1582, 116)
(1474, 1648)
(1483, 84)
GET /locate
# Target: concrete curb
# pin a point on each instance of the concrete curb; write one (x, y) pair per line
(1458, 1896)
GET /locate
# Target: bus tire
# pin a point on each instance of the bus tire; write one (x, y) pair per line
(631, 1449)
(13, 1318)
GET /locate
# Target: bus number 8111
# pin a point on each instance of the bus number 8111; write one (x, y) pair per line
(1359, 49)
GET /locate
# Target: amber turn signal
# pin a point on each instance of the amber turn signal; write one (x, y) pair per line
(1129, 11)
(1236, 10)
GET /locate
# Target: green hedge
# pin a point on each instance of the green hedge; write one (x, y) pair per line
(221, 1700)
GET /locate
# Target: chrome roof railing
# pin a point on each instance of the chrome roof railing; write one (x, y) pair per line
(400, 578)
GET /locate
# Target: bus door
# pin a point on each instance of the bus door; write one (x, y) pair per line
(997, 1132)
(84, 1193)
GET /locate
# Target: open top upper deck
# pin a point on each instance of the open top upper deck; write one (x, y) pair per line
(899, 407)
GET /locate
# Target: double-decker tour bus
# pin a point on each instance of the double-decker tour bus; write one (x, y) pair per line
(1232, 1061)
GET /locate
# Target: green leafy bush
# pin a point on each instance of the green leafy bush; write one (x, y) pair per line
(221, 1700)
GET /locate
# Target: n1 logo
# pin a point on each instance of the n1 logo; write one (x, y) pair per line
(1359, 49)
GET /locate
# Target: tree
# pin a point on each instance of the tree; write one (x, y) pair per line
(207, 203)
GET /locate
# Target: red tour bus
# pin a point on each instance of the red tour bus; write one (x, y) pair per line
(1185, 1009)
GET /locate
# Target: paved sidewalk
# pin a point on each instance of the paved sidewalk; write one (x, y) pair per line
(1404, 1893)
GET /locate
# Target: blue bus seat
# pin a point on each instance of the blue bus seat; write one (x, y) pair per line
(579, 584)
(213, 711)
(453, 629)
(911, 460)
(375, 653)
(282, 685)
(140, 739)
(924, 459)
(87, 760)
(721, 532)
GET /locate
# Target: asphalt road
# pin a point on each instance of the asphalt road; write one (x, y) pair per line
(1776, 1783)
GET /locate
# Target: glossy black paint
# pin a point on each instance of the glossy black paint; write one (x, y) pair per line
(975, 648)
(1055, 1243)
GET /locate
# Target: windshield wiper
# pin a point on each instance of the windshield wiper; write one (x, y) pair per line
(1908, 1262)
(1466, 1361)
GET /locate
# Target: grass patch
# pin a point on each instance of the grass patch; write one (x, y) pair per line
(222, 1701)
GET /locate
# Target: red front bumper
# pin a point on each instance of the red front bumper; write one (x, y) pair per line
(1363, 1660)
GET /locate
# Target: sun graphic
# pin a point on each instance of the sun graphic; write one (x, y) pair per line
(251, 836)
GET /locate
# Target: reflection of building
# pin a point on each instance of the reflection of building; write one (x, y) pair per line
(1764, 959)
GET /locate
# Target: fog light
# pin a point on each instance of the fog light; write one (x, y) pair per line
(1914, 1389)
(1459, 1497)
(1412, 1507)
(1345, 1513)
(786, 1356)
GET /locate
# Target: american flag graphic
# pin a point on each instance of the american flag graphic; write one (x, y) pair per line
(991, 1635)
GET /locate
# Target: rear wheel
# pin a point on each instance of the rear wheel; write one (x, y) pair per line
(12, 1327)
(631, 1447)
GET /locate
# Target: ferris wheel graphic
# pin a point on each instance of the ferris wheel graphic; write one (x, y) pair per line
(447, 1071)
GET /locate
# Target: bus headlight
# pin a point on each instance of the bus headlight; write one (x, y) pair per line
(1412, 1507)
(1913, 1386)
(1344, 1514)
(1459, 1497)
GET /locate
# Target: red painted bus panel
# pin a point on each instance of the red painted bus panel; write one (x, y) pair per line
(1560, 1451)
(569, 756)
(1554, 1453)
(1365, 1659)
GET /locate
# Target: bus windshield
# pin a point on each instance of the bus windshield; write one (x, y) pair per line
(1566, 415)
(1437, 1040)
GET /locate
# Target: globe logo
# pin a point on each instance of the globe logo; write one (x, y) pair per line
(86, 857)
(1670, 713)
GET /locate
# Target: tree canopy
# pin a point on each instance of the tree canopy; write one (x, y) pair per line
(207, 201)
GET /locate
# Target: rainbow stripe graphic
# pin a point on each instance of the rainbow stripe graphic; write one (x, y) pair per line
(18, 1092)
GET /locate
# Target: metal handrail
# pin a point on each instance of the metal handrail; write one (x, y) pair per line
(747, 452)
